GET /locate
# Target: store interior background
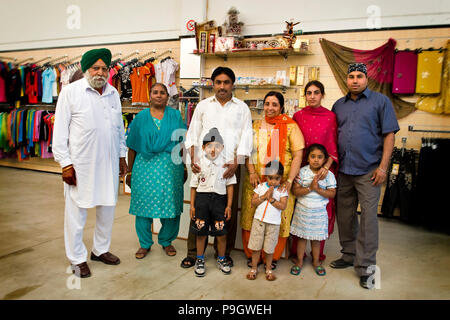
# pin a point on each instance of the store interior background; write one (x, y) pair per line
(56, 28)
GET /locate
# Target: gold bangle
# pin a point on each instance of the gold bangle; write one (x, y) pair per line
(252, 172)
(67, 168)
(129, 173)
(326, 168)
(289, 180)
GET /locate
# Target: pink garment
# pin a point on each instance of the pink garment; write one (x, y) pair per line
(44, 151)
(405, 71)
(2, 90)
(318, 125)
(112, 73)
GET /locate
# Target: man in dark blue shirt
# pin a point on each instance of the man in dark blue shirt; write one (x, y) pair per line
(366, 128)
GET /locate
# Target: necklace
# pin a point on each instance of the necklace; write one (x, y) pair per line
(156, 124)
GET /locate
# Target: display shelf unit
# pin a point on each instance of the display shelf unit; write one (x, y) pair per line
(248, 87)
(285, 53)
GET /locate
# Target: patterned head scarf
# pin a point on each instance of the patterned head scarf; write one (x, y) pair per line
(357, 67)
(90, 57)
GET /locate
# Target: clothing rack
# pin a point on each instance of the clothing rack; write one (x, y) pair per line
(8, 58)
(165, 52)
(130, 55)
(74, 58)
(24, 60)
(146, 54)
(43, 59)
(411, 128)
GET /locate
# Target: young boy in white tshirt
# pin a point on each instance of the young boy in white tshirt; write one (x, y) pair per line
(211, 200)
(270, 203)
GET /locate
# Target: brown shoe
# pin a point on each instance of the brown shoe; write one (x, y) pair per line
(170, 250)
(142, 253)
(81, 270)
(106, 257)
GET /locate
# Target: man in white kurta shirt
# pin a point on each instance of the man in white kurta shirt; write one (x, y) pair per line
(232, 118)
(89, 144)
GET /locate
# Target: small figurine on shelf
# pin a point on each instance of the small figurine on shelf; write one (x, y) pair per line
(289, 33)
(233, 27)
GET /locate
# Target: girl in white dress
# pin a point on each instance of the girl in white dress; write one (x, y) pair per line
(310, 220)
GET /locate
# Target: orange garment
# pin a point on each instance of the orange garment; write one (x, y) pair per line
(141, 82)
(278, 249)
(281, 121)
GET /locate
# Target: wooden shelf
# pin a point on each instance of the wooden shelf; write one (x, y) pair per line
(248, 87)
(285, 53)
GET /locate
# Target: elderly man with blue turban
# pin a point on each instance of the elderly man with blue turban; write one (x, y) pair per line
(89, 144)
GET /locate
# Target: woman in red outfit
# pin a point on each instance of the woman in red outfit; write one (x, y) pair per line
(318, 125)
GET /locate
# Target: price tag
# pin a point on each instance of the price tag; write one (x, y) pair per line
(395, 168)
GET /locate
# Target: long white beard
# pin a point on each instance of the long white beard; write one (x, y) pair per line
(95, 82)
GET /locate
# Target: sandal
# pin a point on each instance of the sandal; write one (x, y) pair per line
(251, 275)
(270, 276)
(141, 253)
(170, 250)
(273, 265)
(187, 262)
(320, 271)
(295, 270)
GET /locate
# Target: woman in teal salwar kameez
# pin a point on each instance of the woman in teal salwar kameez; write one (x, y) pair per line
(156, 176)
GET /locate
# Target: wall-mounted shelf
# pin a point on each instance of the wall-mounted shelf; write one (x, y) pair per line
(285, 53)
(248, 87)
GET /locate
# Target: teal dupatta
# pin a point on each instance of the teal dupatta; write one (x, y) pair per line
(145, 138)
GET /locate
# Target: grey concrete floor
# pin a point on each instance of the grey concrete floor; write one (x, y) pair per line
(413, 262)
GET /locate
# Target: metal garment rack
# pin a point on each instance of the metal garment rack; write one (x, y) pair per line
(411, 128)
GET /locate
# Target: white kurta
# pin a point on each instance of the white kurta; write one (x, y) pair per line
(89, 133)
(233, 120)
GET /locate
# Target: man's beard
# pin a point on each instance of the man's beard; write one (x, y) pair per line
(95, 82)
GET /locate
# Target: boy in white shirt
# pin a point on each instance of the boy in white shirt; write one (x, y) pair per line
(270, 203)
(211, 200)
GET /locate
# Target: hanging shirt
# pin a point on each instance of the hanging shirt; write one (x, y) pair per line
(165, 72)
(88, 133)
(141, 81)
(32, 86)
(65, 77)
(405, 71)
(429, 72)
(48, 78)
(55, 83)
(3, 75)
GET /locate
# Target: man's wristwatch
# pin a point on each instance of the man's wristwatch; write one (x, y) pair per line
(272, 201)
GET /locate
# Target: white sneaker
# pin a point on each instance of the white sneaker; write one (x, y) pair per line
(224, 266)
(199, 268)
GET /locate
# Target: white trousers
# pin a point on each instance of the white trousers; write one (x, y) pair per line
(74, 221)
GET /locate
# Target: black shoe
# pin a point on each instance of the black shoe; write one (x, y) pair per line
(229, 260)
(365, 283)
(340, 264)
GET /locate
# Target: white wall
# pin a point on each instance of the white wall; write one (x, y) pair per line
(26, 24)
(267, 17)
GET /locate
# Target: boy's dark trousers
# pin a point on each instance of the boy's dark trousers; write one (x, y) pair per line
(230, 225)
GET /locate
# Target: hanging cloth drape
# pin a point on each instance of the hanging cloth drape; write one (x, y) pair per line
(439, 103)
(380, 68)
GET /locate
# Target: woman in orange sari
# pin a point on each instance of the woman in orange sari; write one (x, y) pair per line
(276, 137)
